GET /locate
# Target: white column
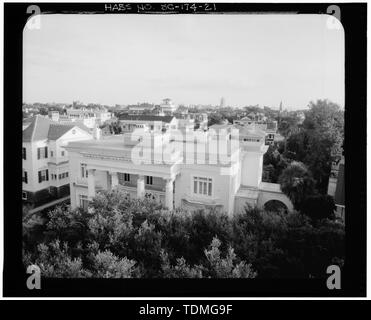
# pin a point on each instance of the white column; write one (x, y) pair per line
(114, 179)
(169, 195)
(73, 195)
(91, 183)
(140, 187)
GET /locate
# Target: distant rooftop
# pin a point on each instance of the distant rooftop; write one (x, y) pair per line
(139, 117)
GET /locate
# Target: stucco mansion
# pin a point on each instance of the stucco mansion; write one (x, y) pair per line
(216, 169)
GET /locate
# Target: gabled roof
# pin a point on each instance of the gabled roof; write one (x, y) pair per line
(139, 117)
(42, 128)
(58, 130)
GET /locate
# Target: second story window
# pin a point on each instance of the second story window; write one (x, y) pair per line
(63, 175)
(62, 153)
(149, 180)
(126, 177)
(84, 171)
(51, 153)
(42, 153)
(43, 175)
(24, 153)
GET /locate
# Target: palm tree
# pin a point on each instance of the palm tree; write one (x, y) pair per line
(297, 183)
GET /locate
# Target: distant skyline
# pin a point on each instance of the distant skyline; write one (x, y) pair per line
(193, 59)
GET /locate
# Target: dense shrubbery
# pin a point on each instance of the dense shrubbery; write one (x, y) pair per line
(120, 237)
(302, 164)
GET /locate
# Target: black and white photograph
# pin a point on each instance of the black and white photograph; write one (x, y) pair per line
(188, 142)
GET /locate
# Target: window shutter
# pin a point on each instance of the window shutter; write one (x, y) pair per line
(39, 176)
(38, 153)
(46, 152)
(25, 177)
(47, 174)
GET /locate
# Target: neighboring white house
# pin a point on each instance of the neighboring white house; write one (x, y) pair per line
(88, 117)
(140, 108)
(210, 170)
(191, 121)
(45, 161)
(201, 119)
(269, 127)
(102, 115)
(129, 123)
(167, 106)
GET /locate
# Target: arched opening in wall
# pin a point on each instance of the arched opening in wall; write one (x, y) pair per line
(275, 206)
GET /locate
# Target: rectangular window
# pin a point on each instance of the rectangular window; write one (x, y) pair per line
(43, 175)
(126, 177)
(84, 202)
(24, 153)
(24, 177)
(149, 180)
(24, 195)
(84, 171)
(202, 185)
(51, 153)
(62, 153)
(42, 153)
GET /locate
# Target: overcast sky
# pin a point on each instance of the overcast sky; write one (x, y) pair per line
(193, 59)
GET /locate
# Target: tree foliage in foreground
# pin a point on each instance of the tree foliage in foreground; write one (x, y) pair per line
(297, 183)
(122, 237)
(319, 142)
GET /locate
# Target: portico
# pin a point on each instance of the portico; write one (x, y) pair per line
(138, 184)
